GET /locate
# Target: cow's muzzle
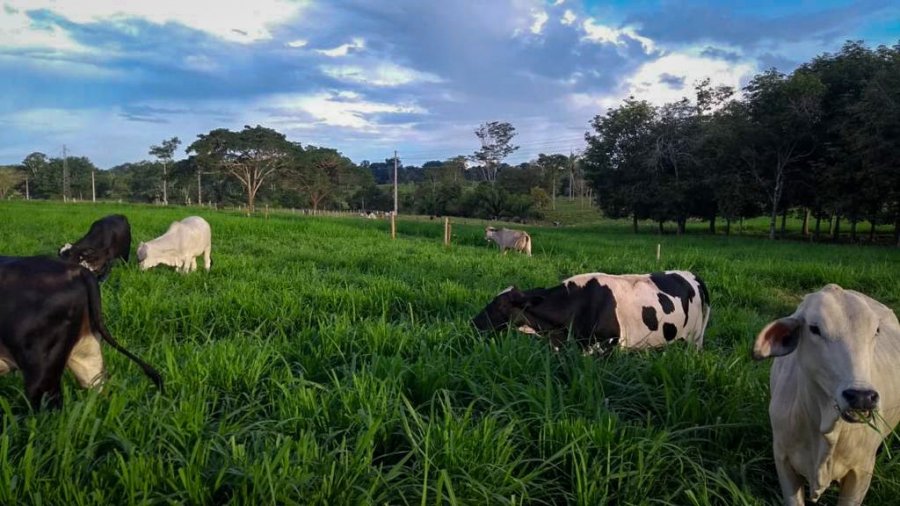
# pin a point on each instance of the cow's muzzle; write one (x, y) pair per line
(860, 405)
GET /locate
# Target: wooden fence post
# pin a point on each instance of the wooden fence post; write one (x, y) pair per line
(657, 252)
(447, 231)
(267, 211)
(393, 226)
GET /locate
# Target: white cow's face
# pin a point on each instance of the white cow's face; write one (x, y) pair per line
(146, 259)
(834, 335)
(489, 233)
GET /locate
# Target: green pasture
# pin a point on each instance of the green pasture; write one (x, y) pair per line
(319, 362)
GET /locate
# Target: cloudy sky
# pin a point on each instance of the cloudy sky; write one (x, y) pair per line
(108, 78)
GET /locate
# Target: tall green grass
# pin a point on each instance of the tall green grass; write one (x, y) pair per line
(319, 362)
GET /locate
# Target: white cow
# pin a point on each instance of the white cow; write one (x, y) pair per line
(835, 391)
(179, 246)
(507, 239)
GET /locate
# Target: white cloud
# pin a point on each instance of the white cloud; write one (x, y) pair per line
(18, 31)
(344, 49)
(540, 19)
(380, 74)
(602, 34)
(568, 17)
(646, 82)
(297, 43)
(236, 21)
(338, 109)
(558, 2)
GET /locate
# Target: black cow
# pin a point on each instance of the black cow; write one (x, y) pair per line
(109, 238)
(602, 311)
(50, 319)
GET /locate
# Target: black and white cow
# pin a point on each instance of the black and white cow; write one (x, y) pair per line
(50, 319)
(602, 311)
(109, 238)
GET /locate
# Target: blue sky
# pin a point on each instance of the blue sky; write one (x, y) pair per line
(108, 78)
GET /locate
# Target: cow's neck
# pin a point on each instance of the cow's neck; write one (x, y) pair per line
(817, 407)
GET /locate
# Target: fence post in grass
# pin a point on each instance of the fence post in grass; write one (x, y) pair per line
(393, 225)
(447, 231)
(267, 211)
(657, 253)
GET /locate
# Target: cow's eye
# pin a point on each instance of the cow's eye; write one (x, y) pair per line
(815, 330)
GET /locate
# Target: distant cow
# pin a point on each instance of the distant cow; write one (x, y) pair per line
(837, 368)
(507, 239)
(108, 238)
(50, 319)
(179, 247)
(603, 311)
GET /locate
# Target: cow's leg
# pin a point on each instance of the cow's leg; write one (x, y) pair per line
(791, 483)
(207, 260)
(192, 266)
(855, 485)
(43, 374)
(86, 362)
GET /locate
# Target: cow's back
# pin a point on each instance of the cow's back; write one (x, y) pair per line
(648, 315)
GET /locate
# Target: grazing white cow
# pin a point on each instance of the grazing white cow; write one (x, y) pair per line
(179, 247)
(507, 239)
(835, 391)
(603, 311)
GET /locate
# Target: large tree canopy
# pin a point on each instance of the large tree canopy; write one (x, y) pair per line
(251, 156)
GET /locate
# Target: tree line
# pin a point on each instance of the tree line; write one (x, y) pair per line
(823, 140)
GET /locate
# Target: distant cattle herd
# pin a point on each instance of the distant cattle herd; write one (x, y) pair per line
(835, 393)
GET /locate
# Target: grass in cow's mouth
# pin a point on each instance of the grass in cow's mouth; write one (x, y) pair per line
(857, 415)
(319, 362)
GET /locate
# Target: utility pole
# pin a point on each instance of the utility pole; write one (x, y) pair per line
(93, 188)
(199, 191)
(65, 175)
(27, 194)
(395, 182)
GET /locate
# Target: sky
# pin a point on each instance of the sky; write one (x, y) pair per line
(110, 78)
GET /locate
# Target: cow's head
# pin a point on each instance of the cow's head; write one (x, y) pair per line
(505, 309)
(489, 233)
(145, 259)
(88, 258)
(833, 333)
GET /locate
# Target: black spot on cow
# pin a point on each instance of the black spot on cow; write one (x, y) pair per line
(675, 286)
(704, 294)
(669, 331)
(665, 303)
(648, 314)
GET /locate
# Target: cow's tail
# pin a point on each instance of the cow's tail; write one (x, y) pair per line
(527, 245)
(96, 316)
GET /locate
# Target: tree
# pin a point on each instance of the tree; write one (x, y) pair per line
(877, 139)
(164, 153)
(496, 144)
(617, 161)
(783, 110)
(251, 156)
(9, 179)
(552, 166)
(319, 173)
(674, 154)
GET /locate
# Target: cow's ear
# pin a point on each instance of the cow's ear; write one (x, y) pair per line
(778, 338)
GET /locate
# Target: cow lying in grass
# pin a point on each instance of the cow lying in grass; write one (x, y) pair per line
(179, 247)
(603, 311)
(50, 319)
